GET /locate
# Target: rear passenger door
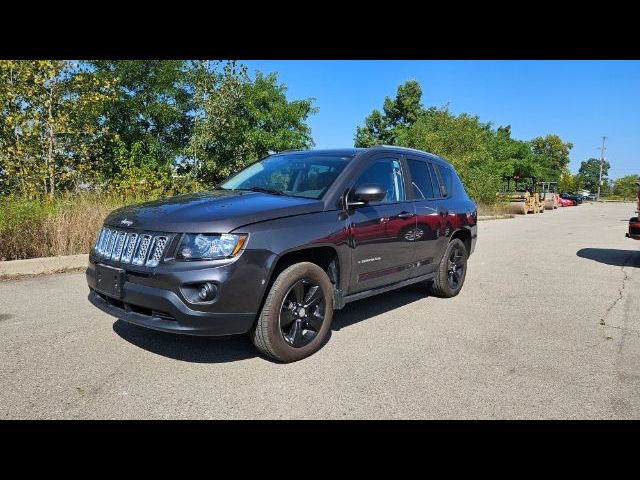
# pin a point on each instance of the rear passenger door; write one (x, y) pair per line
(425, 189)
(446, 208)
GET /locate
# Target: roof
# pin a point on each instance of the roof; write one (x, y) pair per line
(342, 152)
(354, 151)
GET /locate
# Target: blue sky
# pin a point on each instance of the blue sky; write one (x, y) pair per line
(579, 100)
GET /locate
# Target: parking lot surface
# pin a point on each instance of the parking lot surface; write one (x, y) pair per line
(547, 326)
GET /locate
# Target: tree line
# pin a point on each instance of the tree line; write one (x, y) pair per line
(138, 126)
(164, 126)
(483, 155)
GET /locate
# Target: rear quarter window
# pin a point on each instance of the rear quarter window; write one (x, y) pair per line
(453, 184)
(447, 180)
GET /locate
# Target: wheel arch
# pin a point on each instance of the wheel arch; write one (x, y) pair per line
(321, 255)
(464, 234)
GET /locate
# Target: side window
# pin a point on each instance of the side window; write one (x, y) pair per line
(388, 174)
(420, 180)
(447, 180)
(435, 181)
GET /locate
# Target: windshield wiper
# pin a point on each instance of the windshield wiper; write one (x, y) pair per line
(264, 190)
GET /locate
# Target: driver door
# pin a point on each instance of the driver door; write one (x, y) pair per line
(381, 233)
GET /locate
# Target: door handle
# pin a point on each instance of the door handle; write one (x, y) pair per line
(406, 215)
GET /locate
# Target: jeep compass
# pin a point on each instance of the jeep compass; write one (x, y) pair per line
(275, 249)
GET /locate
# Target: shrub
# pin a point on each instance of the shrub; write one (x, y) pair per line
(481, 186)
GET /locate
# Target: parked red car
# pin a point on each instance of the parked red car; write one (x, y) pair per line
(564, 202)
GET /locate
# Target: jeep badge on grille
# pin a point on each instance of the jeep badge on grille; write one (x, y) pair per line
(126, 222)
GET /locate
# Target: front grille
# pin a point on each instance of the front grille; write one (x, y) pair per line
(130, 247)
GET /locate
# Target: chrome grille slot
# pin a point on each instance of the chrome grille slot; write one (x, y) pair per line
(99, 241)
(154, 258)
(112, 243)
(127, 254)
(119, 246)
(141, 254)
(105, 241)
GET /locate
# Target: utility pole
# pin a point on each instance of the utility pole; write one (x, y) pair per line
(601, 162)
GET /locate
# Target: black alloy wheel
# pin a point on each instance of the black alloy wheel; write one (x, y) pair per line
(451, 272)
(302, 313)
(295, 320)
(456, 266)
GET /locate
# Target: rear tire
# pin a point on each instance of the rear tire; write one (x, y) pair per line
(304, 332)
(442, 285)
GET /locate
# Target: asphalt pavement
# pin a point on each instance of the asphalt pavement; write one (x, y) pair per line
(546, 326)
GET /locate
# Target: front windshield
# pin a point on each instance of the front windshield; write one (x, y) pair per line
(305, 175)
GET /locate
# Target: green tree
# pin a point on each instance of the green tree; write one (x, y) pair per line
(49, 131)
(570, 183)
(242, 119)
(510, 157)
(590, 173)
(461, 139)
(399, 114)
(625, 187)
(552, 156)
(482, 155)
(19, 128)
(149, 110)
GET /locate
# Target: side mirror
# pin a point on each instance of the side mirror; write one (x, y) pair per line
(368, 192)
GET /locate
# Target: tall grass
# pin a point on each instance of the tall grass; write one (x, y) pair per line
(44, 227)
(495, 209)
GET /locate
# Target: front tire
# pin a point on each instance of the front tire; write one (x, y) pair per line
(451, 272)
(297, 313)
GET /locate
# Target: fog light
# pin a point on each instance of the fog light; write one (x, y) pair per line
(199, 292)
(207, 292)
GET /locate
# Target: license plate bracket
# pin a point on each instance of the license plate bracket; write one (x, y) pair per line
(110, 280)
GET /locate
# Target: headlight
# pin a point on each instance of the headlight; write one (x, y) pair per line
(208, 247)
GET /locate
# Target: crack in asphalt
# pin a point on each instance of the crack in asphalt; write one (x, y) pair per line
(626, 263)
(625, 330)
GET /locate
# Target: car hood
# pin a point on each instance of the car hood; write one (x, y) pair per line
(217, 211)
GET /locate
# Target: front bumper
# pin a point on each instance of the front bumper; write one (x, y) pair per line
(139, 307)
(154, 299)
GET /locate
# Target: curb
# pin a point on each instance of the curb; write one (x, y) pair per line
(36, 266)
(482, 218)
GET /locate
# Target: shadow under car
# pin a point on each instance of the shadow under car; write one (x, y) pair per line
(201, 349)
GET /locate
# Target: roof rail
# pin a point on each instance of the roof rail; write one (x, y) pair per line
(409, 149)
(290, 150)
